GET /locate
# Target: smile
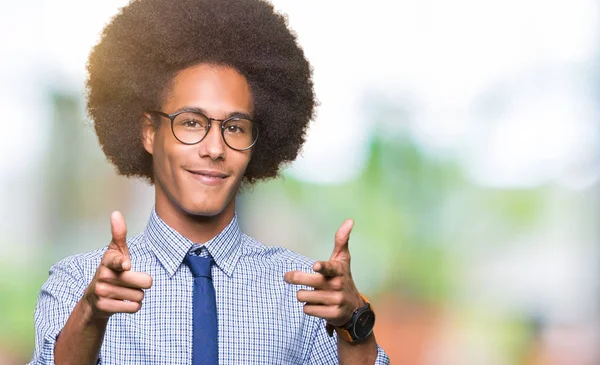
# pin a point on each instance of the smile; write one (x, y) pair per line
(209, 177)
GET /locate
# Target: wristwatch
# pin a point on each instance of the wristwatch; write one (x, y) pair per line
(360, 325)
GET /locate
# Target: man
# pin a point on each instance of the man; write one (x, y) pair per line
(200, 97)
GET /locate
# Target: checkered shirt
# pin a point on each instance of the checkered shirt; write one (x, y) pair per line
(260, 320)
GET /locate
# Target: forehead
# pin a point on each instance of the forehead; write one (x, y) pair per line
(219, 90)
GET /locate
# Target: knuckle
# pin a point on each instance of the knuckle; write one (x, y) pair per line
(338, 298)
(101, 304)
(104, 274)
(101, 289)
(140, 296)
(136, 306)
(336, 284)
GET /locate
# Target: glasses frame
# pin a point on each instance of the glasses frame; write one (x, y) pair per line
(172, 117)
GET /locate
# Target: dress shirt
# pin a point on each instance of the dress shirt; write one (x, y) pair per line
(260, 321)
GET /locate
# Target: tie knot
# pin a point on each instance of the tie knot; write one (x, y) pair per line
(199, 266)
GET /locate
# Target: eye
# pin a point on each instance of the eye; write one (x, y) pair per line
(192, 124)
(234, 129)
(237, 126)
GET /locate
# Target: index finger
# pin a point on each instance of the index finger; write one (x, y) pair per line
(134, 279)
(115, 260)
(328, 268)
(118, 230)
(303, 278)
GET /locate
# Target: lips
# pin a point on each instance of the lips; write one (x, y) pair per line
(209, 173)
(209, 177)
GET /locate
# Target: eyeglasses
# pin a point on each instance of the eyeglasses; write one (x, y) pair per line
(190, 127)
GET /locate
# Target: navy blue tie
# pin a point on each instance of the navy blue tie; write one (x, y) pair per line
(205, 344)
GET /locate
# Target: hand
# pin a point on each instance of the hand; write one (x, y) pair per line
(335, 296)
(115, 288)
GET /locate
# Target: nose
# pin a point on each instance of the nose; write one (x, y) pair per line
(213, 145)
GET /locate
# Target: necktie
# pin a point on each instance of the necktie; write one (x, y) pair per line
(205, 346)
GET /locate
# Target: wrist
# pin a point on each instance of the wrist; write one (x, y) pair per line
(359, 327)
(359, 302)
(358, 352)
(89, 315)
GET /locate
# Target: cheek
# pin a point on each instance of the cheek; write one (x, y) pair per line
(163, 158)
(243, 162)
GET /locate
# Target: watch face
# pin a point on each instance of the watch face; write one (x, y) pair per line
(364, 324)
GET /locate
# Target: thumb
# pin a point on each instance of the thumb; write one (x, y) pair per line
(340, 247)
(118, 230)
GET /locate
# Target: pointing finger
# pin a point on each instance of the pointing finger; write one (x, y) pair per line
(134, 279)
(115, 260)
(340, 248)
(303, 278)
(112, 291)
(328, 268)
(119, 238)
(130, 279)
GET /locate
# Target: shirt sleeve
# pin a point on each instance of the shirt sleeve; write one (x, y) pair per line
(324, 350)
(57, 298)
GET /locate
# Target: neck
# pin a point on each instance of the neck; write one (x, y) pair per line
(197, 228)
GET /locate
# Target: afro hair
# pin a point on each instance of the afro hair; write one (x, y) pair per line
(141, 50)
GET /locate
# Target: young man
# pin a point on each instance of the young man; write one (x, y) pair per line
(199, 97)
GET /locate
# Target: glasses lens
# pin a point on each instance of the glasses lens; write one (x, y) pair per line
(190, 127)
(240, 133)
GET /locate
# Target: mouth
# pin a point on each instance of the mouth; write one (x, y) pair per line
(209, 177)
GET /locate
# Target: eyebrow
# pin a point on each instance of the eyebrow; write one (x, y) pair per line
(195, 109)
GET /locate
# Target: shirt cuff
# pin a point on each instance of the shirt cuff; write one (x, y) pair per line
(382, 357)
(46, 354)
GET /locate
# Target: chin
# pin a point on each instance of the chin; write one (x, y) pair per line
(202, 209)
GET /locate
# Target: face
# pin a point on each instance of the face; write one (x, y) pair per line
(200, 179)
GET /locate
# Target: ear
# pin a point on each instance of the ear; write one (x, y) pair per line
(148, 133)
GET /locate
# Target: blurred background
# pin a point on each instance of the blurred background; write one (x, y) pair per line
(462, 136)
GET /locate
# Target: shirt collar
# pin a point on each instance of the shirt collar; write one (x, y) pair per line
(170, 247)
